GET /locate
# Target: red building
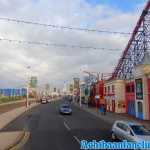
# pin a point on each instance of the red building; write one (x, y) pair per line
(92, 95)
(97, 94)
(130, 97)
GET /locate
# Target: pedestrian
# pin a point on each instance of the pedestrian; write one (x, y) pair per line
(104, 109)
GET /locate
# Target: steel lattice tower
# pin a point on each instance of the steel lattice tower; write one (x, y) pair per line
(136, 48)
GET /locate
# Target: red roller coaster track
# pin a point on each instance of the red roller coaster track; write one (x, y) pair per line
(135, 31)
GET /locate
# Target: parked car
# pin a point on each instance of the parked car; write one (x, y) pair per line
(65, 109)
(43, 100)
(130, 131)
(48, 99)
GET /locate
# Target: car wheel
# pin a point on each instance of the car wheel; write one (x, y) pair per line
(113, 136)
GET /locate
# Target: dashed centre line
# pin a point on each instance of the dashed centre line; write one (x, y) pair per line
(76, 138)
(67, 127)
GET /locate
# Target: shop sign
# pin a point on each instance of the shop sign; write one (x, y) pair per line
(139, 89)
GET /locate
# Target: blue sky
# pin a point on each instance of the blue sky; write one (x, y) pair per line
(125, 5)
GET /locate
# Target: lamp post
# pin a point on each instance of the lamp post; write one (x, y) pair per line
(82, 86)
(28, 80)
(80, 97)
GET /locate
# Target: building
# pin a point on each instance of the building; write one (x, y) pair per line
(114, 92)
(130, 97)
(85, 92)
(142, 88)
(99, 93)
(33, 82)
(92, 101)
(76, 88)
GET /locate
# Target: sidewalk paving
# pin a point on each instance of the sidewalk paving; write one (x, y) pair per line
(112, 117)
(9, 138)
(9, 116)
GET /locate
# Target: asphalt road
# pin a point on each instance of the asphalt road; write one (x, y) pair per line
(52, 131)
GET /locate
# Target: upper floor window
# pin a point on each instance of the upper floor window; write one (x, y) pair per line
(113, 88)
(108, 89)
(105, 90)
(130, 88)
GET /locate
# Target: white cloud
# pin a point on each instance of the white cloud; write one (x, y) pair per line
(55, 65)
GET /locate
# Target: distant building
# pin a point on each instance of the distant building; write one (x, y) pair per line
(33, 82)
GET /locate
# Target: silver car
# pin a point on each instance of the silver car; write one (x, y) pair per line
(65, 109)
(43, 100)
(130, 131)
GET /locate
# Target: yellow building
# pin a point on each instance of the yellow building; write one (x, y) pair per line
(115, 95)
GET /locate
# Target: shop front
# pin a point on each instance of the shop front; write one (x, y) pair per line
(130, 97)
(142, 89)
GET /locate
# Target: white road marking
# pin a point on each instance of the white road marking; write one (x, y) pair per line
(63, 118)
(65, 124)
(76, 139)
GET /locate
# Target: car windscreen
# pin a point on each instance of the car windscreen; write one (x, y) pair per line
(140, 130)
(65, 106)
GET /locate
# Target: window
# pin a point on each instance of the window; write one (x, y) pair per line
(127, 88)
(140, 130)
(108, 89)
(130, 88)
(140, 107)
(125, 127)
(122, 126)
(139, 89)
(113, 88)
(119, 125)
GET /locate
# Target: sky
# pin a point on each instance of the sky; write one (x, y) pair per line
(55, 65)
(124, 5)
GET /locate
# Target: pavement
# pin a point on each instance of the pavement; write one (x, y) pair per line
(112, 117)
(50, 130)
(7, 139)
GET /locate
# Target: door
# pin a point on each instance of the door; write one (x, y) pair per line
(113, 106)
(131, 107)
(140, 110)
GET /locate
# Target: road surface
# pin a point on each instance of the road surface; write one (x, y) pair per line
(52, 131)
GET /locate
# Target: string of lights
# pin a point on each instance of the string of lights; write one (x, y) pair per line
(56, 45)
(62, 27)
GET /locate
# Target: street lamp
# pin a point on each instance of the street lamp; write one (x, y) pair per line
(82, 84)
(28, 80)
